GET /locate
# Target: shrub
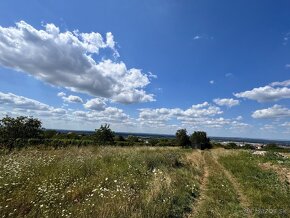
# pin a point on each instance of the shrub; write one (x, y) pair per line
(104, 135)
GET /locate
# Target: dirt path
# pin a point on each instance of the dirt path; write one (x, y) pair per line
(243, 199)
(202, 188)
(211, 170)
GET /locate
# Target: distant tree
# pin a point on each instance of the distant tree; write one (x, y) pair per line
(132, 139)
(153, 141)
(48, 134)
(231, 145)
(249, 146)
(119, 138)
(182, 139)
(200, 140)
(104, 135)
(14, 130)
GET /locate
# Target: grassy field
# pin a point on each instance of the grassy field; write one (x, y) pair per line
(99, 182)
(143, 182)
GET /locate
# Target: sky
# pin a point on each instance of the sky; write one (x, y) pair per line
(148, 66)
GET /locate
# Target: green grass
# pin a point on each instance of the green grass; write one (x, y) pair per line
(268, 196)
(221, 199)
(98, 182)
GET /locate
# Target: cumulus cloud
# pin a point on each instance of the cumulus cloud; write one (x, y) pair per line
(70, 98)
(228, 102)
(277, 111)
(19, 105)
(265, 94)
(73, 99)
(108, 115)
(61, 94)
(66, 59)
(199, 116)
(22, 103)
(162, 115)
(97, 104)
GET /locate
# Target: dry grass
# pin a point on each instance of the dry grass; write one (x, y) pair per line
(98, 181)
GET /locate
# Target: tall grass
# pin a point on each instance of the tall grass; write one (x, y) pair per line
(97, 182)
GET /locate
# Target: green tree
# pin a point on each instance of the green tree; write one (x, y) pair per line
(132, 140)
(48, 134)
(19, 129)
(104, 135)
(119, 138)
(200, 140)
(182, 139)
(153, 141)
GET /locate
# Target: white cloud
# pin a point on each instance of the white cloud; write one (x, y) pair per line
(197, 37)
(26, 104)
(107, 115)
(70, 98)
(277, 111)
(228, 102)
(283, 83)
(268, 127)
(286, 38)
(151, 75)
(18, 105)
(65, 59)
(162, 115)
(61, 94)
(228, 75)
(211, 81)
(265, 94)
(203, 36)
(73, 99)
(97, 104)
(199, 116)
(286, 124)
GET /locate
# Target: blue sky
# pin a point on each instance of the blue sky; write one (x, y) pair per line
(148, 66)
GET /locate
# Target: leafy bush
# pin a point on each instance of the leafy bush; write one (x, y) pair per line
(104, 135)
(15, 132)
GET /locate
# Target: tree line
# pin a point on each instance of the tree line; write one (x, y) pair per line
(27, 131)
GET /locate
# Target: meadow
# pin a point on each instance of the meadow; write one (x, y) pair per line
(96, 181)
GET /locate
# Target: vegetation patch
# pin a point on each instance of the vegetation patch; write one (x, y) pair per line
(268, 195)
(102, 181)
